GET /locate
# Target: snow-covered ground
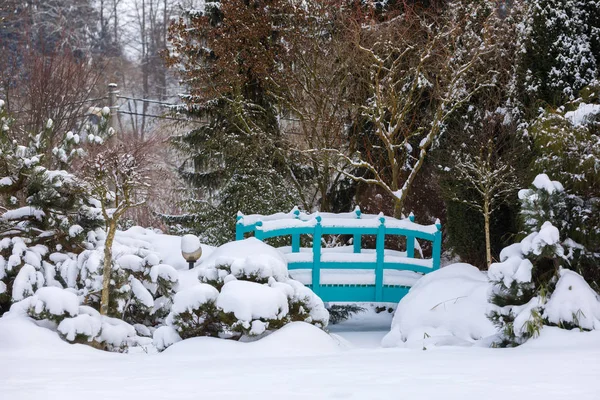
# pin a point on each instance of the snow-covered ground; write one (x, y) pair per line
(299, 362)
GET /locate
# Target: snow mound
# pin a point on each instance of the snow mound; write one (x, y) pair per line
(22, 335)
(445, 307)
(574, 302)
(246, 258)
(294, 339)
(252, 301)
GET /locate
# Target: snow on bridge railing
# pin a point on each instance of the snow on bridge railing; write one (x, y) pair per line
(297, 223)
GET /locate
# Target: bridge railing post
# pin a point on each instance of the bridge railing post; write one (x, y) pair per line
(316, 267)
(258, 232)
(239, 226)
(410, 240)
(380, 251)
(296, 237)
(357, 236)
(437, 246)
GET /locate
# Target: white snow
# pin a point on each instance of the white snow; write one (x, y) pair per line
(83, 324)
(141, 293)
(163, 271)
(56, 301)
(190, 243)
(542, 181)
(447, 306)
(131, 262)
(573, 301)
(164, 337)
(297, 362)
(249, 301)
(514, 268)
(193, 297)
(20, 213)
(246, 257)
(582, 115)
(536, 241)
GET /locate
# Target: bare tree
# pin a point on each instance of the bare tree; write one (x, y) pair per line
(414, 78)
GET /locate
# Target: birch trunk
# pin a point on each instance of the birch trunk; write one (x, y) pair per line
(488, 245)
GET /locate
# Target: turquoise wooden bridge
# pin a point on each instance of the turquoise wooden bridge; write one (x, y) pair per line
(349, 273)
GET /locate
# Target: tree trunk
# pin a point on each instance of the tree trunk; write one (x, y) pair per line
(488, 245)
(107, 269)
(397, 208)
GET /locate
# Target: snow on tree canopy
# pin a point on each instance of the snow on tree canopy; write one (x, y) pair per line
(193, 297)
(56, 301)
(248, 257)
(445, 307)
(574, 302)
(537, 241)
(131, 262)
(252, 301)
(514, 268)
(26, 282)
(83, 324)
(542, 181)
(163, 271)
(164, 337)
(583, 114)
(190, 243)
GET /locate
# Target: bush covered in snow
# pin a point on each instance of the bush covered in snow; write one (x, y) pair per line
(532, 285)
(445, 307)
(242, 290)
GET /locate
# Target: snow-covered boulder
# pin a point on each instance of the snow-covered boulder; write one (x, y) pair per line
(445, 307)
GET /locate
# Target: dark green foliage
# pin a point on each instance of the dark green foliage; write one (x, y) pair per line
(341, 312)
(206, 320)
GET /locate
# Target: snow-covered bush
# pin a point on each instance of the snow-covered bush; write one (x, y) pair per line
(532, 285)
(44, 208)
(242, 290)
(54, 304)
(445, 307)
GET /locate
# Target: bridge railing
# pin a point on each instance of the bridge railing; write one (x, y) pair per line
(296, 224)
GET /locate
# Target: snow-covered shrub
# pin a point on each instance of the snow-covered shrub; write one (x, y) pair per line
(242, 290)
(54, 304)
(44, 208)
(89, 327)
(194, 312)
(445, 307)
(532, 285)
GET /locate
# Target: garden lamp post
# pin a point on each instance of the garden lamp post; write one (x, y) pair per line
(191, 249)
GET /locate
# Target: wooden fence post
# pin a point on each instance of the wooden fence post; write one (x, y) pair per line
(380, 250)
(316, 270)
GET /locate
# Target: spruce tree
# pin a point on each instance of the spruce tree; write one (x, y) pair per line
(235, 159)
(559, 52)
